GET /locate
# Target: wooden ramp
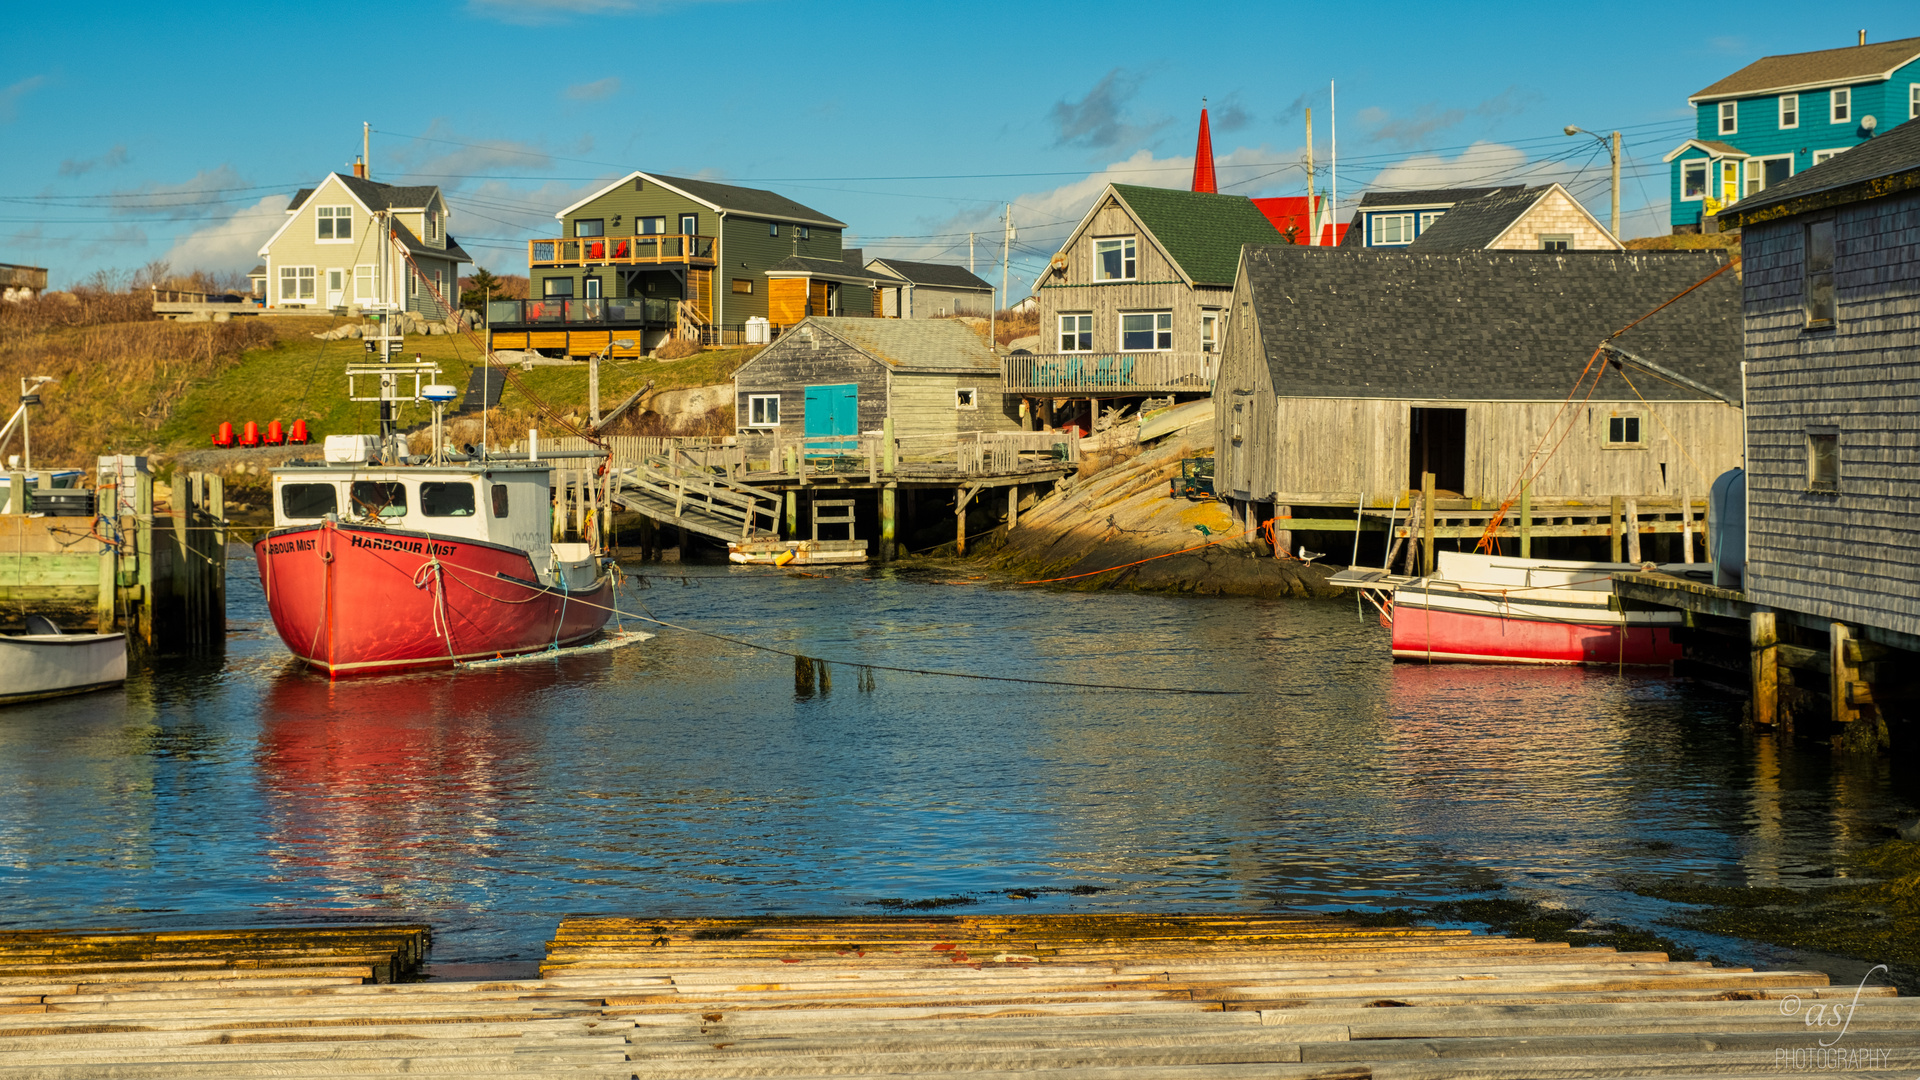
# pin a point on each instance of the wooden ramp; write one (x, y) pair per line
(1076, 998)
(674, 490)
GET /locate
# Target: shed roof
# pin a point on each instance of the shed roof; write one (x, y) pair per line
(1893, 154)
(830, 269)
(1808, 70)
(938, 275)
(1200, 231)
(1486, 325)
(909, 344)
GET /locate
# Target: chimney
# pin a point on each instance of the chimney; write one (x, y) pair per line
(360, 168)
(1203, 155)
(1863, 37)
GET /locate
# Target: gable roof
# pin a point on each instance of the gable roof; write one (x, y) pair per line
(1425, 197)
(905, 344)
(1486, 325)
(752, 202)
(373, 195)
(1884, 165)
(1478, 224)
(1813, 70)
(1713, 147)
(1200, 231)
(414, 244)
(937, 275)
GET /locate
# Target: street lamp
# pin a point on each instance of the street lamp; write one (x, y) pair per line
(1613, 151)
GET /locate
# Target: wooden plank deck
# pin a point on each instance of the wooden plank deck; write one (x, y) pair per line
(1141, 997)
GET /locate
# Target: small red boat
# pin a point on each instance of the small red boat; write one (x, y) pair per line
(391, 568)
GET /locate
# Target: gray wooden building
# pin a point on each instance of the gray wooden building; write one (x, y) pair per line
(1832, 262)
(830, 378)
(930, 290)
(1349, 373)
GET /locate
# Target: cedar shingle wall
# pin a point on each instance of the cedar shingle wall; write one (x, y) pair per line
(1854, 555)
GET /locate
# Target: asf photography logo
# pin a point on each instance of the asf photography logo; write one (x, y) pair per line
(1832, 1023)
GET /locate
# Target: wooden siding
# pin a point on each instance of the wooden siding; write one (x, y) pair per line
(1157, 286)
(745, 240)
(790, 365)
(923, 403)
(1848, 555)
(1556, 215)
(786, 300)
(299, 245)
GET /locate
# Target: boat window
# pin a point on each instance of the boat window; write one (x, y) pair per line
(499, 500)
(308, 500)
(440, 498)
(379, 498)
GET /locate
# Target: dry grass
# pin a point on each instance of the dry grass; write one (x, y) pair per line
(678, 348)
(1011, 325)
(1685, 242)
(82, 307)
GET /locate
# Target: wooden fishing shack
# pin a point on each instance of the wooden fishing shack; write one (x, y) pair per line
(1357, 384)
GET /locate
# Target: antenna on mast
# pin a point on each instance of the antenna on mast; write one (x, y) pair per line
(366, 150)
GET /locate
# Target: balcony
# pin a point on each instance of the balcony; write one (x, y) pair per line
(651, 250)
(560, 311)
(1110, 374)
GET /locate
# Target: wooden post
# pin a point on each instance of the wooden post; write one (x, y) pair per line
(1633, 531)
(686, 544)
(1526, 519)
(1844, 674)
(889, 496)
(580, 493)
(793, 513)
(1686, 526)
(1013, 507)
(1426, 526)
(1282, 538)
(887, 457)
(16, 492)
(109, 570)
(217, 503)
(1763, 636)
(143, 555)
(960, 501)
(1613, 530)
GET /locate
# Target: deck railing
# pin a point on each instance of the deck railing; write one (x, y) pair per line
(623, 250)
(1110, 373)
(650, 311)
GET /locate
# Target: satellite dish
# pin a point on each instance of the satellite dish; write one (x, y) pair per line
(1868, 123)
(1059, 263)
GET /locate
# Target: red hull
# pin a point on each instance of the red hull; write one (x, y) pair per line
(1456, 637)
(354, 600)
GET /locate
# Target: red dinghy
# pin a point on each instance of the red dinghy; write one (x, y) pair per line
(374, 569)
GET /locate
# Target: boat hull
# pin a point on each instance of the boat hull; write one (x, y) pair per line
(1430, 632)
(350, 599)
(34, 667)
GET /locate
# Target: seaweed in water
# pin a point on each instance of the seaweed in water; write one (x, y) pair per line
(1523, 919)
(931, 903)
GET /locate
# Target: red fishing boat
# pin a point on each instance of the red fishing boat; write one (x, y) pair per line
(380, 569)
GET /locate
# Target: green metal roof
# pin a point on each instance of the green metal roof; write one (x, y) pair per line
(1201, 231)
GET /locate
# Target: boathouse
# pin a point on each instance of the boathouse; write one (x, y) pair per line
(1832, 259)
(1350, 376)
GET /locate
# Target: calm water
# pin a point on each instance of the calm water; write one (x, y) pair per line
(684, 776)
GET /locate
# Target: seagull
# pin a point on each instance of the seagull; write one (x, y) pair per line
(1308, 556)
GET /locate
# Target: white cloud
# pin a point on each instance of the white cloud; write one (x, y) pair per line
(181, 201)
(112, 159)
(232, 243)
(442, 156)
(10, 97)
(598, 90)
(1484, 164)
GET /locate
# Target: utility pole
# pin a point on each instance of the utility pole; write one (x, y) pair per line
(1006, 251)
(1333, 134)
(1313, 212)
(366, 149)
(970, 253)
(1613, 222)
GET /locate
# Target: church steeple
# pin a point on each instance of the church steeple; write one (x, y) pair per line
(1203, 155)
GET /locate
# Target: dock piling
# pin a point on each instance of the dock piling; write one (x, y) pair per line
(1613, 530)
(1633, 531)
(1426, 510)
(1764, 638)
(1526, 519)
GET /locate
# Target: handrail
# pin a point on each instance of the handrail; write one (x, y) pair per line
(651, 248)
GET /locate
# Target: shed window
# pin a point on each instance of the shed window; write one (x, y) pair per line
(966, 398)
(333, 223)
(1789, 110)
(763, 410)
(1693, 179)
(1623, 430)
(1076, 333)
(379, 498)
(308, 500)
(1819, 273)
(499, 500)
(1146, 331)
(1823, 458)
(446, 498)
(1115, 259)
(1842, 102)
(590, 227)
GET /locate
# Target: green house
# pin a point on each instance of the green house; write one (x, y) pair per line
(649, 256)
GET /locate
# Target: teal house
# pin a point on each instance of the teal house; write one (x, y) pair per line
(1783, 114)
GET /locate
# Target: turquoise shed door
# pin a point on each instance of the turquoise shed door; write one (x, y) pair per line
(832, 410)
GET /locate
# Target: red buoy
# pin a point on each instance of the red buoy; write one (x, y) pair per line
(223, 435)
(250, 435)
(298, 434)
(274, 435)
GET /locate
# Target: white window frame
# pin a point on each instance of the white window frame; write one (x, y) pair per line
(1162, 330)
(1210, 330)
(440, 284)
(1729, 118)
(298, 275)
(1828, 155)
(591, 282)
(1913, 101)
(413, 282)
(333, 214)
(1129, 249)
(1705, 166)
(1405, 221)
(1789, 107)
(1756, 169)
(341, 272)
(966, 397)
(433, 226)
(1427, 217)
(757, 411)
(1840, 105)
(365, 275)
(1563, 239)
(1639, 442)
(1077, 330)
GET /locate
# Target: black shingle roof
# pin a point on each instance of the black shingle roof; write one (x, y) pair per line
(1487, 325)
(938, 275)
(1356, 234)
(375, 195)
(750, 201)
(1472, 224)
(831, 269)
(1897, 151)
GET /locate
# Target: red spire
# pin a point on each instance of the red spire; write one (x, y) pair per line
(1203, 156)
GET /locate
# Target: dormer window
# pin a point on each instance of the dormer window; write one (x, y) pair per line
(1115, 259)
(433, 226)
(1729, 117)
(1789, 111)
(1842, 104)
(333, 222)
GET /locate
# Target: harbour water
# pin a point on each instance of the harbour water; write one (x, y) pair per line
(685, 775)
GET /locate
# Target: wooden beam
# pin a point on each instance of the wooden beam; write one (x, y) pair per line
(1843, 675)
(1526, 519)
(1613, 530)
(1426, 503)
(1764, 641)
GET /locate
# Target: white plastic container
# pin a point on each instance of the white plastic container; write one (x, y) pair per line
(347, 449)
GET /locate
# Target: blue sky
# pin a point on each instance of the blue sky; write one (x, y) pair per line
(146, 132)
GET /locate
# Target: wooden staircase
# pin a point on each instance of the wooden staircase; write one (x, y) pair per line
(675, 490)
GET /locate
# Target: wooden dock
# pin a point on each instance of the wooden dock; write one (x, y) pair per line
(1122, 997)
